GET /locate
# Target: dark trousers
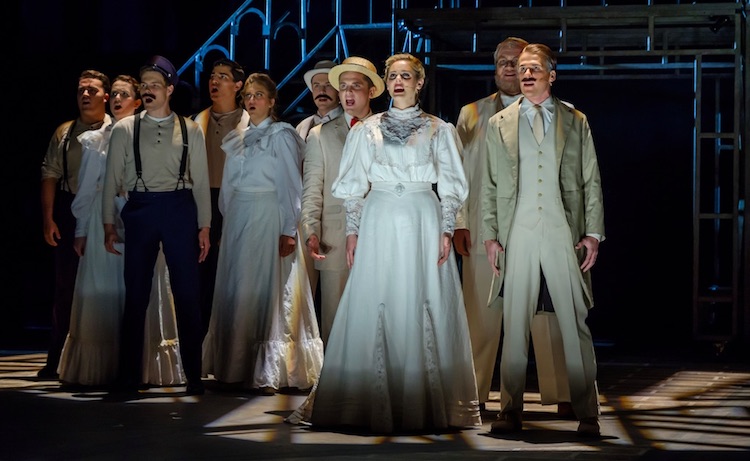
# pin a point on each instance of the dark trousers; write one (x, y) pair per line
(66, 267)
(169, 219)
(208, 267)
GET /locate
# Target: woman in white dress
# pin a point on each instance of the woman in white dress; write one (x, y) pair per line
(399, 356)
(263, 333)
(90, 354)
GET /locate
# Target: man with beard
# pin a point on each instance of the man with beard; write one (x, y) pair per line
(325, 97)
(159, 158)
(225, 114)
(485, 323)
(323, 218)
(59, 186)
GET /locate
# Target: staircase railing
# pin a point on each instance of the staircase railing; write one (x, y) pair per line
(333, 43)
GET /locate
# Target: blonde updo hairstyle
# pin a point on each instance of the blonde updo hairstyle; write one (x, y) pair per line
(415, 64)
(265, 81)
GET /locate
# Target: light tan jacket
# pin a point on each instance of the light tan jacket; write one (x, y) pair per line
(472, 127)
(580, 182)
(322, 213)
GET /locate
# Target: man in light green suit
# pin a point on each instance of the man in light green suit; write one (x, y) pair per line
(543, 220)
(486, 318)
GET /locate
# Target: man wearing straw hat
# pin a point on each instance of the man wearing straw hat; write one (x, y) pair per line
(323, 218)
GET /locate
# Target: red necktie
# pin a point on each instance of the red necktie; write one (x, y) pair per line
(353, 122)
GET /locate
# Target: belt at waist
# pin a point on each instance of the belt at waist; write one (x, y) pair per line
(399, 188)
(137, 195)
(254, 189)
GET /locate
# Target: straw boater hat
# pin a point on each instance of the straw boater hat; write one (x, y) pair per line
(321, 67)
(361, 65)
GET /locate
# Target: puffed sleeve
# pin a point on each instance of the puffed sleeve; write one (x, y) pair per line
(352, 182)
(452, 185)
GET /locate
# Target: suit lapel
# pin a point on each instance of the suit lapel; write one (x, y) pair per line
(563, 126)
(509, 129)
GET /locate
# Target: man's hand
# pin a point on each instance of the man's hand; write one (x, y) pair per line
(204, 243)
(110, 238)
(462, 241)
(313, 247)
(592, 251)
(494, 253)
(286, 245)
(51, 232)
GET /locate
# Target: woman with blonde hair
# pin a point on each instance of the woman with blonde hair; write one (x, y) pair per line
(399, 357)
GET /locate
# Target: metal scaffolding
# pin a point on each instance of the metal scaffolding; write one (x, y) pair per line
(705, 42)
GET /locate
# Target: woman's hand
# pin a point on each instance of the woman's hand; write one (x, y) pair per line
(445, 248)
(286, 245)
(351, 245)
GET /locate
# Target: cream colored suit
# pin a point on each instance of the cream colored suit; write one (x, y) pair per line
(324, 215)
(538, 201)
(485, 323)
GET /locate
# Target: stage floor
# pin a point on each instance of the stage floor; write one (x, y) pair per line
(663, 410)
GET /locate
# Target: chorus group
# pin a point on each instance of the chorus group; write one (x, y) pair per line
(379, 263)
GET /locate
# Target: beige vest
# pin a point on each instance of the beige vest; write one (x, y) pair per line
(539, 188)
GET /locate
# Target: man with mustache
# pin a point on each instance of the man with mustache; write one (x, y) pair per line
(225, 114)
(325, 97)
(159, 159)
(323, 218)
(58, 188)
(485, 321)
(543, 220)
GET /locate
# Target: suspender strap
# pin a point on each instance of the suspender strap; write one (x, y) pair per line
(66, 145)
(183, 162)
(137, 153)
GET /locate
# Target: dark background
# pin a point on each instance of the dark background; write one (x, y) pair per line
(642, 129)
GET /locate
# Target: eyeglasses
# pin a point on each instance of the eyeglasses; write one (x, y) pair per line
(92, 90)
(403, 75)
(258, 95)
(505, 63)
(152, 85)
(121, 94)
(532, 69)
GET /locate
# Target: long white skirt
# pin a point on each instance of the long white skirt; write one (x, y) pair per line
(263, 331)
(399, 355)
(90, 353)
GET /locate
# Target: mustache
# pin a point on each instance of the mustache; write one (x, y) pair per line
(323, 96)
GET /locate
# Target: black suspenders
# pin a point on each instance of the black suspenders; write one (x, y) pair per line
(66, 145)
(137, 153)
